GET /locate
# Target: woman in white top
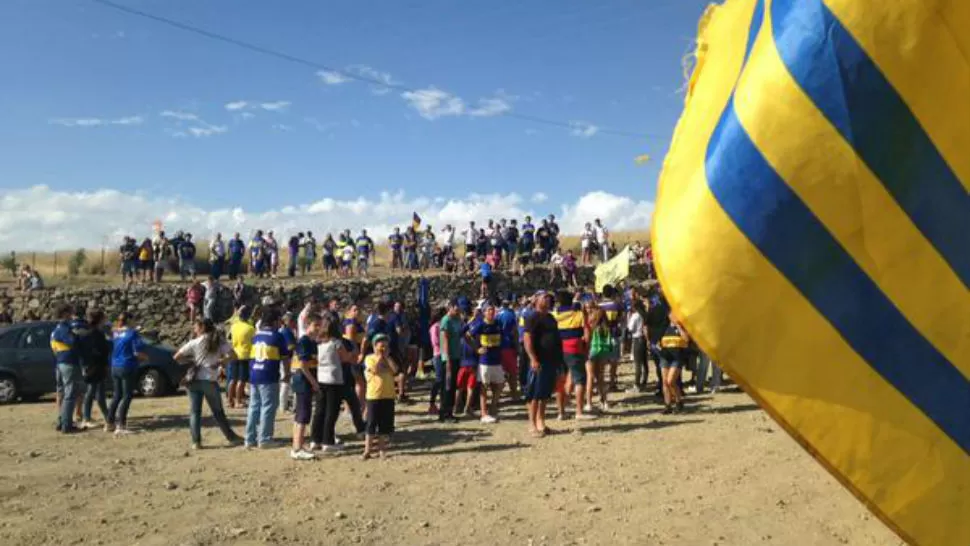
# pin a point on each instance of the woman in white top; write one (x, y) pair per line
(331, 352)
(207, 352)
(586, 242)
(637, 328)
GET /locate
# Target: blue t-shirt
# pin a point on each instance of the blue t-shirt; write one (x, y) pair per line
(269, 348)
(524, 315)
(486, 270)
(489, 337)
(507, 321)
(306, 354)
(187, 250)
(381, 326)
(236, 248)
(468, 355)
(289, 337)
(126, 344)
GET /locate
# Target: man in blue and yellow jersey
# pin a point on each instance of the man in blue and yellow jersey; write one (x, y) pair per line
(257, 254)
(486, 337)
(574, 333)
(365, 246)
(269, 348)
(396, 241)
(68, 372)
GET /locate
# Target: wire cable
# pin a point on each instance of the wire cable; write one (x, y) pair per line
(351, 75)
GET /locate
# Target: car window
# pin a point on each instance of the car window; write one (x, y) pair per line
(8, 339)
(37, 337)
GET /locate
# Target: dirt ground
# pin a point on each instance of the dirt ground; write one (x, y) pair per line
(722, 474)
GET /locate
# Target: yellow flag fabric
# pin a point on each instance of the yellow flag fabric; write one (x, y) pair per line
(641, 159)
(812, 229)
(614, 270)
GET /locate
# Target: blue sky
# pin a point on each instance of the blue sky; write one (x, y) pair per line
(99, 100)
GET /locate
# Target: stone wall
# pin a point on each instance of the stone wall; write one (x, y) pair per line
(162, 308)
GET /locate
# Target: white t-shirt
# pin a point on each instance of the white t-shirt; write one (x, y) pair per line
(634, 324)
(208, 363)
(329, 370)
(449, 237)
(556, 259)
(601, 234)
(218, 249)
(587, 237)
(348, 253)
(471, 235)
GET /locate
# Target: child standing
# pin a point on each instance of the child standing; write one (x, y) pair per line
(304, 384)
(486, 271)
(379, 370)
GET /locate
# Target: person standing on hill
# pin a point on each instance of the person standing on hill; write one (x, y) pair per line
(309, 253)
(186, 252)
(602, 236)
(162, 253)
(145, 260)
(293, 252)
(257, 255)
(365, 246)
(396, 242)
(129, 259)
(217, 256)
(237, 250)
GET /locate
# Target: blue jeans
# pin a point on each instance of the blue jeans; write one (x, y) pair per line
(703, 363)
(263, 402)
(209, 390)
(95, 392)
(123, 383)
(69, 381)
(439, 379)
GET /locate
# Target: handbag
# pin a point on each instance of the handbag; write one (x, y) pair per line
(189, 376)
(601, 344)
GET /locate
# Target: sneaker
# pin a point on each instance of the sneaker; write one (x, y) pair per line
(301, 455)
(120, 431)
(85, 425)
(488, 420)
(108, 427)
(247, 446)
(561, 417)
(585, 417)
(338, 441)
(691, 390)
(588, 408)
(336, 448)
(196, 446)
(315, 447)
(604, 406)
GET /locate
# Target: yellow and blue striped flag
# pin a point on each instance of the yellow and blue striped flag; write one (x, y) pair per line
(812, 231)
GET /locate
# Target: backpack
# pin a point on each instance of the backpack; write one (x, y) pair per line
(601, 344)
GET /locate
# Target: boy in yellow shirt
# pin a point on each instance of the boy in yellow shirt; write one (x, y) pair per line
(379, 370)
(241, 333)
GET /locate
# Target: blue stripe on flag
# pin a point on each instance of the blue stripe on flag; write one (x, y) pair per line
(786, 232)
(850, 90)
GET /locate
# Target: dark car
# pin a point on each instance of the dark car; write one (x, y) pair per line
(27, 364)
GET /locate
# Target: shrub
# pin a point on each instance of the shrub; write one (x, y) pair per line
(76, 261)
(10, 263)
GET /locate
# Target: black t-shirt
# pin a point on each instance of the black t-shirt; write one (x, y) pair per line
(658, 319)
(544, 330)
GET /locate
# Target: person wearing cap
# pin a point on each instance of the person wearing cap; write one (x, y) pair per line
(451, 352)
(269, 349)
(241, 333)
(288, 330)
(544, 348)
(574, 334)
(485, 336)
(379, 370)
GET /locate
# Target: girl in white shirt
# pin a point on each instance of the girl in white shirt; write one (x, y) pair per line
(331, 352)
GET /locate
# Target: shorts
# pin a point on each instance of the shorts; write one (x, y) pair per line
(303, 409)
(541, 383)
(561, 383)
(467, 377)
(329, 262)
(491, 375)
(187, 267)
(576, 364)
(668, 361)
(486, 280)
(510, 362)
(362, 264)
(380, 417)
(146, 265)
(128, 267)
(239, 371)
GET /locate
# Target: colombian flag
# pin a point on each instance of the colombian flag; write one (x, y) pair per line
(415, 221)
(813, 233)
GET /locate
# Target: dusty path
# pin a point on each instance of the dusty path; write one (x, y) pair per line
(723, 474)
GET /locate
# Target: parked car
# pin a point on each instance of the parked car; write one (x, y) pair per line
(27, 364)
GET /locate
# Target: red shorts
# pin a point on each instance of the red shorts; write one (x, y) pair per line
(467, 377)
(510, 362)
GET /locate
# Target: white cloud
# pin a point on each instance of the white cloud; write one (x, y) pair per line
(236, 105)
(583, 129)
(179, 115)
(433, 103)
(96, 122)
(332, 77)
(247, 115)
(490, 107)
(539, 197)
(282, 127)
(40, 218)
(276, 106)
(380, 79)
(207, 130)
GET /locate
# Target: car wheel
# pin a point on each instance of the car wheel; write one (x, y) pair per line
(152, 384)
(8, 389)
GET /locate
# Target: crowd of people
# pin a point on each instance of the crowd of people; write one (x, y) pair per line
(500, 244)
(328, 358)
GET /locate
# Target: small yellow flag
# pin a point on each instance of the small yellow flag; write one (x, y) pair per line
(641, 159)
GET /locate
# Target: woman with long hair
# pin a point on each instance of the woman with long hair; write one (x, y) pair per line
(128, 349)
(673, 354)
(601, 348)
(331, 353)
(97, 357)
(207, 352)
